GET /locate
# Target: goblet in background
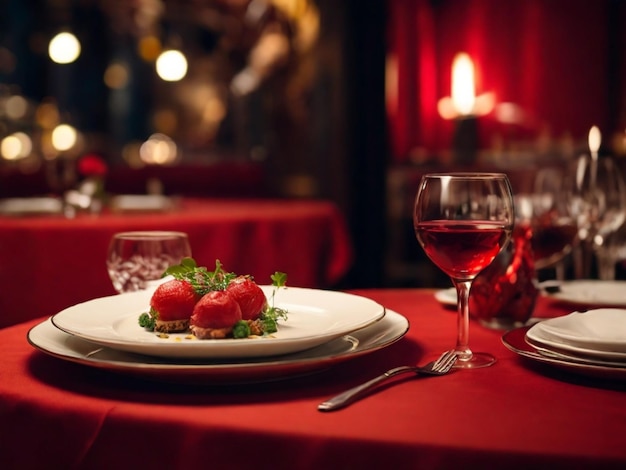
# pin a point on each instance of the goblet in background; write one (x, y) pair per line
(548, 212)
(598, 197)
(135, 259)
(610, 253)
(462, 221)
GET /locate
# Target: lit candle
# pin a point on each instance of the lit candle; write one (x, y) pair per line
(463, 92)
(594, 139)
(464, 102)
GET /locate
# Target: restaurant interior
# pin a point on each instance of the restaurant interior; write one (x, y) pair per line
(333, 167)
(349, 102)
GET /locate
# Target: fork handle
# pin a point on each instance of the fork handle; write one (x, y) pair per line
(353, 394)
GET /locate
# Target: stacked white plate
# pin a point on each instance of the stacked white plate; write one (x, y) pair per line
(31, 206)
(595, 337)
(322, 329)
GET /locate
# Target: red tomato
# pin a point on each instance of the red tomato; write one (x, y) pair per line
(248, 295)
(216, 309)
(174, 300)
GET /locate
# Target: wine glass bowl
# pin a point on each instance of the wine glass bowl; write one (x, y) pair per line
(462, 221)
(135, 259)
(598, 196)
(554, 228)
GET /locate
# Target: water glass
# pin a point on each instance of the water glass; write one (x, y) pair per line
(136, 259)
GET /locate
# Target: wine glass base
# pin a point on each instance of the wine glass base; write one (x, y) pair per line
(477, 361)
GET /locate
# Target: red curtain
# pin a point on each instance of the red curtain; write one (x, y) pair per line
(550, 58)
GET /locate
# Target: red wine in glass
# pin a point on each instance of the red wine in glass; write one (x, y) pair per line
(550, 243)
(462, 249)
(462, 221)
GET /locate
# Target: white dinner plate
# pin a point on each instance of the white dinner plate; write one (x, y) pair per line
(601, 329)
(446, 296)
(314, 317)
(31, 206)
(140, 203)
(52, 341)
(592, 292)
(539, 336)
(515, 340)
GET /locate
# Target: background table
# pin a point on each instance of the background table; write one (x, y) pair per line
(49, 263)
(513, 415)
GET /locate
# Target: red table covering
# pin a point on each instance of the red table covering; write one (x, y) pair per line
(50, 263)
(513, 415)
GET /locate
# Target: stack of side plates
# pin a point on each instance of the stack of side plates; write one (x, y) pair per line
(595, 337)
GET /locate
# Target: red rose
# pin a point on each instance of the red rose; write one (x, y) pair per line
(92, 165)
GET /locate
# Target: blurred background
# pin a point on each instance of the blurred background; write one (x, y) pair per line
(349, 101)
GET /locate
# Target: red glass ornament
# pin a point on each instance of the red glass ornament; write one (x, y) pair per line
(503, 295)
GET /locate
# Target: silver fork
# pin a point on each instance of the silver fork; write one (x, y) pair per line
(439, 367)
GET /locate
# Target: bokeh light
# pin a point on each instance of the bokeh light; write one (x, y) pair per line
(16, 146)
(159, 149)
(16, 107)
(171, 66)
(116, 76)
(64, 48)
(64, 137)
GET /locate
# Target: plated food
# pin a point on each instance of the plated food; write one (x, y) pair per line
(381, 334)
(212, 304)
(315, 317)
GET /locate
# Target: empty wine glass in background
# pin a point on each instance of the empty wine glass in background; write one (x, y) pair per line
(610, 253)
(462, 221)
(137, 258)
(598, 197)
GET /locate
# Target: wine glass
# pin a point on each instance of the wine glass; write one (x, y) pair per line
(610, 253)
(137, 259)
(548, 213)
(462, 221)
(598, 194)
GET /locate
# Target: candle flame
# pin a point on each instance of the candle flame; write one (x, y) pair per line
(595, 138)
(463, 92)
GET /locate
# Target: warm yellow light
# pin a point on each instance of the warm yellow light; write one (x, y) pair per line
(64, 137)
(116, 76)
(64, 48)
(171, 66)
(595, 139)
(16, 107)
(463, 101)
(463, 90)
(47, 115)
(159, 149)
(16, 146)
(149, 48)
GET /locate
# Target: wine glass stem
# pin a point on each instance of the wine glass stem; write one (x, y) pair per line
(462, 341)
(606, 264)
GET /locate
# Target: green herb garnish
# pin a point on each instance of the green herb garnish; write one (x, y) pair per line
(147, 321)
(241, 329)
(201, 279)
(269, 318)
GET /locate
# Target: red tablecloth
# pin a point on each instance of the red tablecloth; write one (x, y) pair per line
(513, 415)
(50, 263)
